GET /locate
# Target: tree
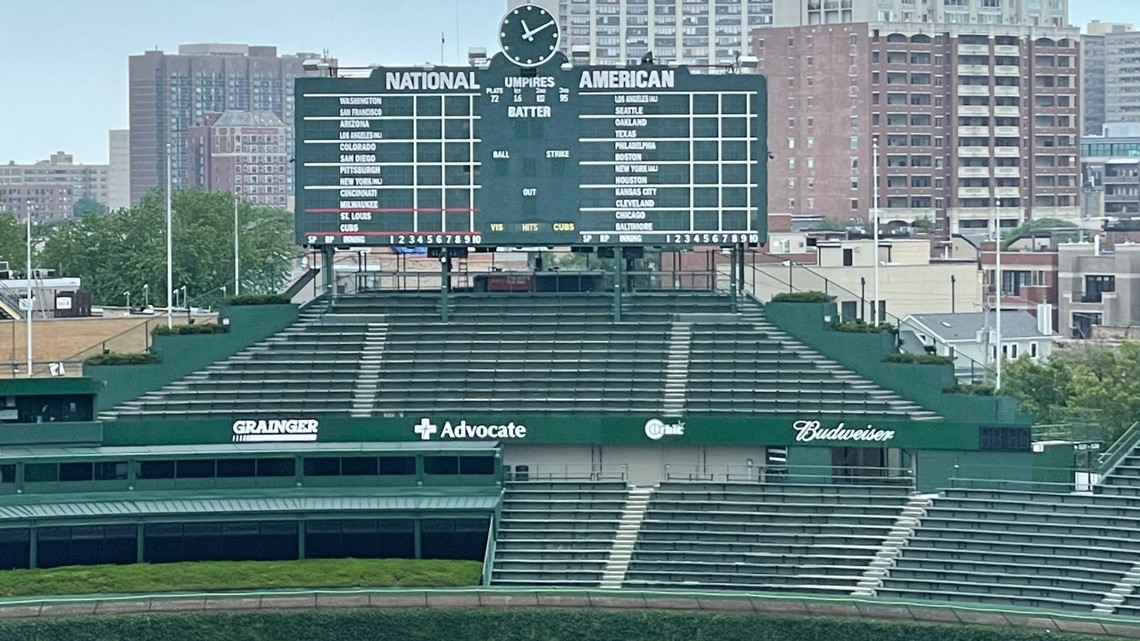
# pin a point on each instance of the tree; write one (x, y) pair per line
(1029, 226)
(830, 224)
(122, 251)
(13, 239)
(1105, 382)
(86, 206)
(923, 225)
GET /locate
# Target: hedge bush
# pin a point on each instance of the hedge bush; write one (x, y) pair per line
(972, 389)
(922, 359)
(500, 624)
(196, 328)
(802, 297)
(256, 299)
(147, 578)
(859, 327)
(112, 358)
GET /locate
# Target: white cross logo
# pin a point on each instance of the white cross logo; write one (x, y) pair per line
(425, 428)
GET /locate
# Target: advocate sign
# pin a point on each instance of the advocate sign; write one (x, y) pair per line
(463, 430)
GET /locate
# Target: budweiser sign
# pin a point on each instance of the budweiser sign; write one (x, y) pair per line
(808, 431)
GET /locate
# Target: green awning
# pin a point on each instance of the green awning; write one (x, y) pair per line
(252, 507)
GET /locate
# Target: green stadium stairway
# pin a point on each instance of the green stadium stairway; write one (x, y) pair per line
(1124, 478)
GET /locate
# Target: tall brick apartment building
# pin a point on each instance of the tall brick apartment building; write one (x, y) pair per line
(969, 120)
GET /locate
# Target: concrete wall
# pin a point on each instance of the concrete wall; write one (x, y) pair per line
(645, 464)
(182, 355)
(907, 289)
(59, 339)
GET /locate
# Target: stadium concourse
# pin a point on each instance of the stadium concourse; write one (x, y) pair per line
(664, 439)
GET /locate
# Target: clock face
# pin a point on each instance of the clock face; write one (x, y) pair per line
(529, 36)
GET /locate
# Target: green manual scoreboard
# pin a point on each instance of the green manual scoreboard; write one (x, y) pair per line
(530, 150)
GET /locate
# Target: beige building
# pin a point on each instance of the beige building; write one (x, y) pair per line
(1097, 288)
(119, 173)
(910, 282)
(58, 172)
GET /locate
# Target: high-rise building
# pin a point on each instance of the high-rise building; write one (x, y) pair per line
(44, 202)
(974, 103)
(52, 186)
(1110, 76)
(119, 174)
(975, 118)
(170, 93)
(690, 32)
(242, 152)
(948, 14)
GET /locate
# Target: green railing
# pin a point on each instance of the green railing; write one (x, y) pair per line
(1111, 457)
(567, 472)
(792, 475)
(489, 551)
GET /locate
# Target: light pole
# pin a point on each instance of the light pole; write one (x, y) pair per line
(997, 290)
(169, 245)
(237, 259)
(28, 281)
(875, 231)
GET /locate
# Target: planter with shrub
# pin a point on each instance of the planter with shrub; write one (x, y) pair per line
(802, 297)
(256, 299)
(111, 358)
(196, 328)
(860, 327)
(919, 359)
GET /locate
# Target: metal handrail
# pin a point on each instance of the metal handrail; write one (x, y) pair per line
(8, 295)
(489, 551)
(1013, 485)
(570, 472)
(1111, 458)
(379, 280)
(975, 368)
(794, 475)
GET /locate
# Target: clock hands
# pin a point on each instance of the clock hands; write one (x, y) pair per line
(528, 34)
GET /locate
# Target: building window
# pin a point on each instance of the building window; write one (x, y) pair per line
(848, 257)
(1096, 287)
(1033, 350)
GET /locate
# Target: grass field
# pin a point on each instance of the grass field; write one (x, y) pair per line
(240, 575)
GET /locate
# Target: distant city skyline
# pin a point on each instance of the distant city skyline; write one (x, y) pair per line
(76, 89)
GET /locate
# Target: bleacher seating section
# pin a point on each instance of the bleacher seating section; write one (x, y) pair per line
(538, 353)
(1034, 549)
(552, 354)
(557, 533)
(315, 359)
(801, 538)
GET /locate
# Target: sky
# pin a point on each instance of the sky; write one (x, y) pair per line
(68, 58)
